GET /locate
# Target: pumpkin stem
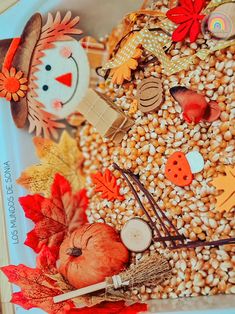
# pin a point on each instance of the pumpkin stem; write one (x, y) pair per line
(75, 251)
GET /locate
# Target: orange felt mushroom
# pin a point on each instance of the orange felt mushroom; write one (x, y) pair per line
(178, 169)
(92, 253)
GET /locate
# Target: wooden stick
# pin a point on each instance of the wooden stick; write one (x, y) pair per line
(6, 4)
(194, 244)
(79, 292)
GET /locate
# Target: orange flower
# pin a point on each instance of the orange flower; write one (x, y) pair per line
(12, 84)
(123, 72)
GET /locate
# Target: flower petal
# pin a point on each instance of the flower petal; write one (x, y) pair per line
(23, 87)
(198, 5)
(194, 31)
(19, 75)
(178, 15)
(182, 31)
(188, 5)
(23, 80)
(3, 93)
(5, 72)
(8, 96)
(12, 72)
(20, 93)
(15, 97)
(2, 77)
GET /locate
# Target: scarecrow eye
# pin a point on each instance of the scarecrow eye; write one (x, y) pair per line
(45, 87)
(48, 67)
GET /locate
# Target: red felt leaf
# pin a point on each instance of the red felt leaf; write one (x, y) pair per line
(194, 31)
(178, 15)
(189, 17)
(182, 31)
(37, 290)
(107, 184)
(198, 6)
(188, 4)
(55, 216)
(111, 308)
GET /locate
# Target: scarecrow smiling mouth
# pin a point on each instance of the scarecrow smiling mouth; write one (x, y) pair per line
(76, 83)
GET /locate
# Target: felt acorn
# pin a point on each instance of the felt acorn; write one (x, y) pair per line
(194, 105)
(180, 167)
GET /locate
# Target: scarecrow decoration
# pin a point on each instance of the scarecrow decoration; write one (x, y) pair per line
(45, 76)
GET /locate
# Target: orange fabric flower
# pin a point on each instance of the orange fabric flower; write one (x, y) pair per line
(123, 72)
(12, 84)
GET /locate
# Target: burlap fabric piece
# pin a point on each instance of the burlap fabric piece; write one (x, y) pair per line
(107, 119)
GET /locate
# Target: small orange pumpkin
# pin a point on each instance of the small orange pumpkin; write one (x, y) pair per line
(92, 253)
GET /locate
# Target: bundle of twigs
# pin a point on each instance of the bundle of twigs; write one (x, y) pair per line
(167, 233)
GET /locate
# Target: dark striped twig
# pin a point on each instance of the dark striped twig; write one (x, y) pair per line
(162, 216)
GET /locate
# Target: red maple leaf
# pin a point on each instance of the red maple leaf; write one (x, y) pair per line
(54, 217)
(107, 184)
(111, 308)
(37, 290)
(189, 17)
(46, 260)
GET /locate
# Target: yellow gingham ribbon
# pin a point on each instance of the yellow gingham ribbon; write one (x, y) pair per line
(154, 43)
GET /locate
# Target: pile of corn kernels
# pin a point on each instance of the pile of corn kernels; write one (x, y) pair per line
(145, 150)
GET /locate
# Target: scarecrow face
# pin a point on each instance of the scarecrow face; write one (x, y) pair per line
(63, 78)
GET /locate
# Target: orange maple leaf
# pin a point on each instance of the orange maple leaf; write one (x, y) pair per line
(107, 184)
(226, 200)
(37, 290)
(123, 72)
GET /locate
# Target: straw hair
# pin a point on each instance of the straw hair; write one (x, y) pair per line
(152, 269)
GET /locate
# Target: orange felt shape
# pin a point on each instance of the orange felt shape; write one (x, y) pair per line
(178, 170)
(65, 79)
(225, 184)
(107, 184)
(98, 253)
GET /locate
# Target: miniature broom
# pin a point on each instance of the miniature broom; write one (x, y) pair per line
(150, 270)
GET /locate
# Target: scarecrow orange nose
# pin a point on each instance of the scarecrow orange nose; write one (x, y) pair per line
(65, 79)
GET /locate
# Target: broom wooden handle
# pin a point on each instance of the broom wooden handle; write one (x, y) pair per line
(79, 292)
